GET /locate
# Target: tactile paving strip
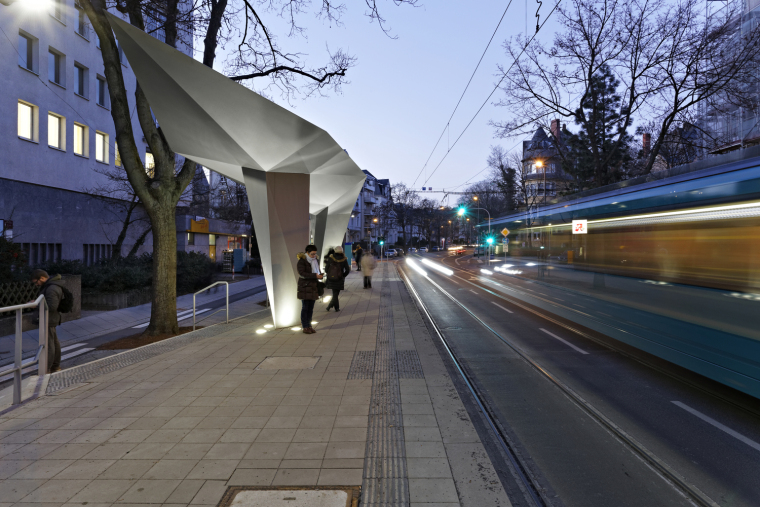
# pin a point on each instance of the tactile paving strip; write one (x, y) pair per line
(409, 365)
(85, 372)
(362, 365)
(385, 480)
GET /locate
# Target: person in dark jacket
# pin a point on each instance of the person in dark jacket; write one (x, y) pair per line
(336, 267)
(51, 289)
(309, 275)
(358, 254)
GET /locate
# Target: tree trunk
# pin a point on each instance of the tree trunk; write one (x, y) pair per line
(163, 315)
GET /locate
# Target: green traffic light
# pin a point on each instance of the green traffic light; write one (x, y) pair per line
(489, 241)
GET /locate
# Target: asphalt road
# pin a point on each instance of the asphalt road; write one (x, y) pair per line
(696, 430)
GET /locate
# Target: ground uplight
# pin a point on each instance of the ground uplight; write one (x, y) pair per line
(261, 331)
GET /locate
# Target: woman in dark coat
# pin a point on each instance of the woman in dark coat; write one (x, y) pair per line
(308, 276)
(336, 267)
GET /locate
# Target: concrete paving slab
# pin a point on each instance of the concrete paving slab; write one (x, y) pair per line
(181, 427)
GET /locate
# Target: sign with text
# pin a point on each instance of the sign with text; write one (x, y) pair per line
(580, 226)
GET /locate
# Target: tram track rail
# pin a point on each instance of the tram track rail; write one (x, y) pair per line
(534, 490)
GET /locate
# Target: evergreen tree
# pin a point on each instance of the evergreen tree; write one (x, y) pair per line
(598, 152)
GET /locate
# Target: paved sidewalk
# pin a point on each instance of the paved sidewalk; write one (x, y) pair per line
(106, 322)
(364, 402)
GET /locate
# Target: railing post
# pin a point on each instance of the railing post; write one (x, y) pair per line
(193, 312)
(42, 366)
(228, 302)
(17, 360)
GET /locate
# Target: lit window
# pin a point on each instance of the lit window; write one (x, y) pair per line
(190, 238)
(117, 155)
(102, 91)
(56, 9)
(82, 25)
(55, 67)
(26, 121)
(26, 52)
(56, 128)
(101, 147)
(150, 163)
(81, 74)
(80, 140)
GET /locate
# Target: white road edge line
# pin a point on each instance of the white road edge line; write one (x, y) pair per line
(473, 291)
(76, 345)
(508, 311)
(718, 425)
(563, 341)
(180, 316)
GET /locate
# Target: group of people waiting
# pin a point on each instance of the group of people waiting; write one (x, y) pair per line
(312, 281)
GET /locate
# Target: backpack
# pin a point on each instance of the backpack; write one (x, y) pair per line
(334, 272)
(67, 301)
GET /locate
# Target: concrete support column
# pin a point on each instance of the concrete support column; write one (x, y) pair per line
(280, 212)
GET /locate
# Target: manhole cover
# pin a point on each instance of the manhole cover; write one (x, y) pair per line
(288, 363)
(291, 497)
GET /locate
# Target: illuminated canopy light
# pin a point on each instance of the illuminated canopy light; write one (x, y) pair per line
(438, 267)
(416, 267)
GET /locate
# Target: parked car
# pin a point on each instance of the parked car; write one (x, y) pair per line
(390, 252)
(412, 250)
(399, 252)
(423, 250)
(434, 249)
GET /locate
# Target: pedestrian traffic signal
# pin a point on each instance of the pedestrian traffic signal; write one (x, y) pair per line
(381, 240)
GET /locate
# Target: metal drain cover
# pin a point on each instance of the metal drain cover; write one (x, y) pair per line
(295, 496)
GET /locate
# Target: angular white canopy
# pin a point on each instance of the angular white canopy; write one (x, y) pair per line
(290, 167)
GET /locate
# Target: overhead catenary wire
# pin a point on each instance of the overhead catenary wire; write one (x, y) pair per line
(446, 128)
(489, 95)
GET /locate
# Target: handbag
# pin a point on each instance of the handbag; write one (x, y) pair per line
(320, 289)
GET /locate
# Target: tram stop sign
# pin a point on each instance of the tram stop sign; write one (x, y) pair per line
(505, 231)
(580, 226)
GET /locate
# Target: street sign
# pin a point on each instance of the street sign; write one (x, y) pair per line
(505, 241)
(580, 226)
(505, 231)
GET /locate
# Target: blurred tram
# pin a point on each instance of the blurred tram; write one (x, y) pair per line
(701, 227)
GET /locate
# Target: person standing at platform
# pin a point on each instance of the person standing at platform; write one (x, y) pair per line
(358, 255)
(337, 269)
(309, 275)
(51, 288)
(369, 269)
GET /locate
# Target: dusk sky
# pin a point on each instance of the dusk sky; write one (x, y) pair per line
(403, 91)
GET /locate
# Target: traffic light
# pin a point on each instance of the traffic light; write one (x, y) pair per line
(489, 241)
(461, 211)
(381, 240)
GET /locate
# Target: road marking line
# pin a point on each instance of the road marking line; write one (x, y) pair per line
(605, 314)
(559, 299)
(579, 305)
(196, 314)
(180, 316)
(35, 367)
(76, 345)
(77, 353)
(473, 291)
(718, 425)
(564, 341)
(509, 311)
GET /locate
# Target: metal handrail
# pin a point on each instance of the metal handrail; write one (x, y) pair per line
(40, 357)
(227, 302)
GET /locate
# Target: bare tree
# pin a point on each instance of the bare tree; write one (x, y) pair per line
(668, 58)
(160, 191)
